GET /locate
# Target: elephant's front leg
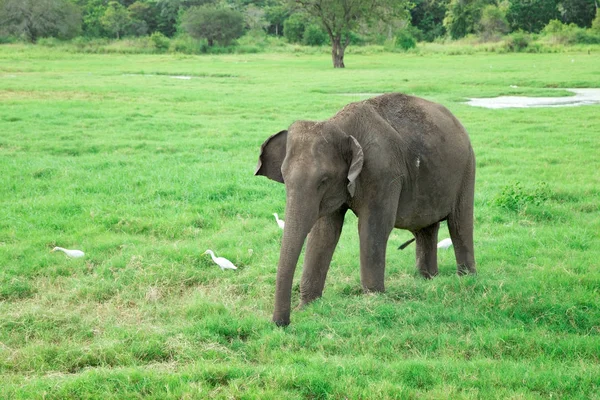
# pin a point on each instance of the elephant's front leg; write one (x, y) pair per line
(374, 229)
(322, 240)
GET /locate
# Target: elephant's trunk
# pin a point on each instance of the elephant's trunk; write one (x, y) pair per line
(301, 213)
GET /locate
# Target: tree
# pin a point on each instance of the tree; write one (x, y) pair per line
(531, 15)
(493, 23)
(340, 18)
(220, 25)
(146, 12)
(255, 18)
(462, 16)
(294, 26)
(276, 14)
(34, 19)
(116, 19)
(579, 12)
(170, 11)
(428, 17)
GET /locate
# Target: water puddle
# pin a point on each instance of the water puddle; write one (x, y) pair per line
(583, 97)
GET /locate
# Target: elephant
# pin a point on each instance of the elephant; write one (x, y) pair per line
(396, 161)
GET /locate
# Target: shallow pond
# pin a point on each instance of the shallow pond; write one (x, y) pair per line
(582, 97)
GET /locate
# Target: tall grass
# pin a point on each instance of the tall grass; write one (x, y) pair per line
(112, 155)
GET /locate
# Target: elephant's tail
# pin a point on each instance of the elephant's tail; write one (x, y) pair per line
(403, 245)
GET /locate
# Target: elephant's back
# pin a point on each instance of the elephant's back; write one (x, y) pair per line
(416, 115)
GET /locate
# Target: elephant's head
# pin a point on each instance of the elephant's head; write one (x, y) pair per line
(319, 165)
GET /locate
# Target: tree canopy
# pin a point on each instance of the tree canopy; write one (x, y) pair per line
(33, 19)
(215, 24)
(340, 18)
(337, 23)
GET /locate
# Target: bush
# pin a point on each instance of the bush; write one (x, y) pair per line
(596, 23)
(49, 42)
(186, 45)
(516, 198)
(492, 24)
(518, 41)
(560, 33)
(293, 28)
(405, 40)
(314, 36)
(161, 42)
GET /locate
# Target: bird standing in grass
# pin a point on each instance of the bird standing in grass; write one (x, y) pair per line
(445, 244)
(69, 253)
(279, 221)
(221, 261)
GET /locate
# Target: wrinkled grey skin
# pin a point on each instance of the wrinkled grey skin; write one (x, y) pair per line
(396, 161)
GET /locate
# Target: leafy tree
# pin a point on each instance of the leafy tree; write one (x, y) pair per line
(146, 12)
(255, 18)
(294, 26)
(169, 12)
(276, 14)
(92, 11)
(462, 16)
(579, 12)
(596, 22)
(314, 35)
(116, 19)
(493, 23)
(428, 17)
(34, 19)
(220, 25)
(340, 18)
(531, 15)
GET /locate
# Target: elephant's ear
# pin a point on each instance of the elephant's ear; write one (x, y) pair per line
(272, 153)
(355, 165)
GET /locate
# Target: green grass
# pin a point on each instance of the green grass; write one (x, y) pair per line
(109, 154)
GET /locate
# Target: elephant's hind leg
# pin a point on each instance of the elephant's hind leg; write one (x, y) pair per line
(426, 239)
(460, 225)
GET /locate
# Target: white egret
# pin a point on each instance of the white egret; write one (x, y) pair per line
(279, 221)
(221, 261)
(444, 244)
(69, 253)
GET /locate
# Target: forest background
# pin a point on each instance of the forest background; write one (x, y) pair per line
(250, 26)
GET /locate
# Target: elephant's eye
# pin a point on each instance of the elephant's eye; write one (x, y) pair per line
(323, 182)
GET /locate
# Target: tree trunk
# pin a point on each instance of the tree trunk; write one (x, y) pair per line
(337, 52)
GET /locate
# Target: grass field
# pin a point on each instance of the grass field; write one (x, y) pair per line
(112, 155)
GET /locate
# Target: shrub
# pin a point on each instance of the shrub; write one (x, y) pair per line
(293, 28)
(596, 23)
(516, 198)
(518, 41)
(557, 32)
(405, 40)
(161, 42)
(314, 36)
(493, 23)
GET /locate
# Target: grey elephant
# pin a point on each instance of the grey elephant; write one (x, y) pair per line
(396, 161)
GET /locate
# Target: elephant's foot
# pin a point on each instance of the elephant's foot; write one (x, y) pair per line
(373, 288)
(428, 273)
(463, 269)
(281, 320)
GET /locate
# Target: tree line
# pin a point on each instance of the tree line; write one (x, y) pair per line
(311, 22)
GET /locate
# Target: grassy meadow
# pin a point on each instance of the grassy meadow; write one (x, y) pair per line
(121, 157)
